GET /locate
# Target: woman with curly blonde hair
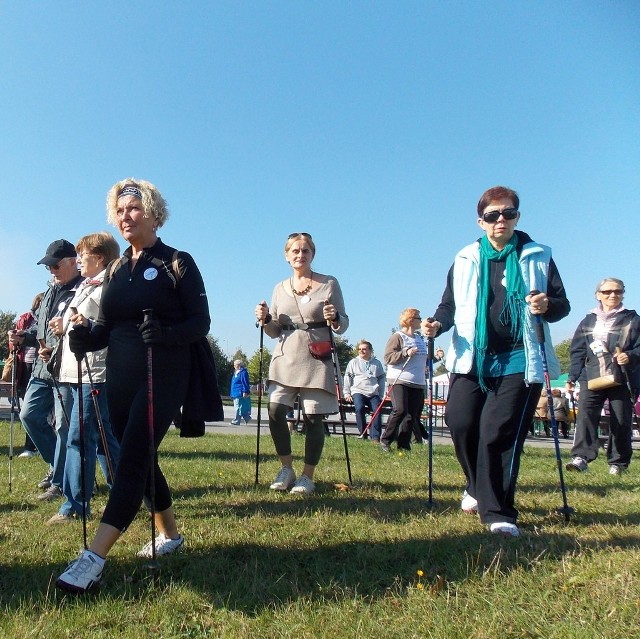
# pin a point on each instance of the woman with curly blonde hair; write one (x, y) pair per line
(150, 275)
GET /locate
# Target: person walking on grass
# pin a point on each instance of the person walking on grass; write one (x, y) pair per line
(606, 343)
(304, 307)
(406, 358)
(495, 360)
(150, 275)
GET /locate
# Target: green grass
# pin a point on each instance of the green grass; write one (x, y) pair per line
(339, 564)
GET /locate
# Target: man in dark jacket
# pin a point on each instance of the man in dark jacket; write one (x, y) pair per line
(39, 399)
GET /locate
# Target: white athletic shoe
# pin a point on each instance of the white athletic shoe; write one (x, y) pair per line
(82, 574)
(578, 464)
(164, 546)
(304, 486)
(505, 529)
(469, 504)
(284, 479)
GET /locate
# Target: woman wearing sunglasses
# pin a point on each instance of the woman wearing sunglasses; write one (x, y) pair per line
(494, 359)
(304, 308)
(605, 359)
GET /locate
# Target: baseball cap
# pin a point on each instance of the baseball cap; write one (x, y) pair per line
(57, 251)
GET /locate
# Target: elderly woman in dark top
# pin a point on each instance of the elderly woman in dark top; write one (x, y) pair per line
(150, 275)
(304, 307)
(607, 341)
(494, 358)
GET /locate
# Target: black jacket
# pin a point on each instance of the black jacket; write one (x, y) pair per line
(624, 333)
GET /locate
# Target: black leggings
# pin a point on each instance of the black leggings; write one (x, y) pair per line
(128, 411)
(314, 429)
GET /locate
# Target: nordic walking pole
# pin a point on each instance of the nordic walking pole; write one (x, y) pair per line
(103, 435)
(153, 565)
(83, 488)
(15, 400)
(387, 395)
(336, 375)
(430, 342)
(625, 372)
(565, 509)
(261, 324)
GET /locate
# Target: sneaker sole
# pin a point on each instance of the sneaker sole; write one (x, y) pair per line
(74, 590)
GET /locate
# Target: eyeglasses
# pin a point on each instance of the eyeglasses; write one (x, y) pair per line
(612, 291)
(492, 216)
(416, 317)
(292, 235)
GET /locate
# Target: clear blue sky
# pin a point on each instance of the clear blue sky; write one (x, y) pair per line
(375, 126)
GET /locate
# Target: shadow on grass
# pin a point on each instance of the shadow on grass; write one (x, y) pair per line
(253, 577)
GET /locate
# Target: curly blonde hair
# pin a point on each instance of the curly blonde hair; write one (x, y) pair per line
(152, 201)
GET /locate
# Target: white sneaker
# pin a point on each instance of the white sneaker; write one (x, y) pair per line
(82, 573)
(505, 528)
(469, 504)
(615, 470)
(25, 454)
(164, 546)
(284, 479)
(578, 464)
(304, 486)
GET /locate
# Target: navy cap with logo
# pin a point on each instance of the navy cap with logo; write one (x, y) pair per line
(57, 251)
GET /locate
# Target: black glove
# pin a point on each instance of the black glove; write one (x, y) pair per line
(152, 332)
(79, 340)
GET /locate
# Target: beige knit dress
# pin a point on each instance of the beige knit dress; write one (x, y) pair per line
(291, 363)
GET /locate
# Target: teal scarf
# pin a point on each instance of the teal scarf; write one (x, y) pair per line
(512, 313)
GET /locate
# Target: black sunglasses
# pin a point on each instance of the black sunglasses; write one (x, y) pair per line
(507, 214)
(292, 235)
(612, 291)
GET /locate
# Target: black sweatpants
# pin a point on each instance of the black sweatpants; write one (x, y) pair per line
(408, 402)
(488, 430)
(585, 439)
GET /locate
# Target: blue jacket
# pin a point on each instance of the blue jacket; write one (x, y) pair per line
(239, 383)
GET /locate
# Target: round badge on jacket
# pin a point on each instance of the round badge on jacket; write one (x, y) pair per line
(150, 274)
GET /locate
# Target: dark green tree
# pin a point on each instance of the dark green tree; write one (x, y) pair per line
(239, 354)
(345, 351)
(224, 366)
(7, 322)
(563, 354)
(253, 365)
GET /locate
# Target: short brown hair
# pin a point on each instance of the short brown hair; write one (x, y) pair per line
(101, 243)
(497, 193)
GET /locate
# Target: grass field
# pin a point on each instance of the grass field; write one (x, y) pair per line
(369, 562)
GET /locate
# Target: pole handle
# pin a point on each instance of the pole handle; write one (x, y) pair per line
(326, 303)
(539, 326)
(147, 314)
(430, 343)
